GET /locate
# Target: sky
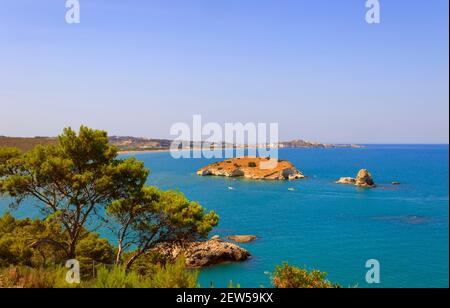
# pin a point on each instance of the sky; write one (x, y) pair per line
(315, 67)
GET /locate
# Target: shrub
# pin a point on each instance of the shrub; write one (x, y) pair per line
(22, 244)
(26, 277)
(93, 251)
(117, 278)
(170, 275)
(287, 276)
(147, 264)
(174, 275)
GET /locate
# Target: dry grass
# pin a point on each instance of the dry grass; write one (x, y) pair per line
(25, 144)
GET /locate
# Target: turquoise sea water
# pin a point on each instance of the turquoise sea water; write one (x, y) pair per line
(326, 226)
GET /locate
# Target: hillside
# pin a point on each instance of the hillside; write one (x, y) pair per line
(25, 144)
(309, 144)
(139, 144)
(122, 143)
(143, 144)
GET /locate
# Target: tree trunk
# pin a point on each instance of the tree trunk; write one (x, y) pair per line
(119, 254)
(71, 253)
(132, 259)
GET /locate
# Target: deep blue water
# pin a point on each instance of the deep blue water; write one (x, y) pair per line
(326, 226)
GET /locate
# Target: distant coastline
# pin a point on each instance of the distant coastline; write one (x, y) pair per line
(136, 145)
(131, 152)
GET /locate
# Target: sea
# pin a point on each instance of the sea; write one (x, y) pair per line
(316, 224)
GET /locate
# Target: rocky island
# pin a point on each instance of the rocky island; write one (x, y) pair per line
(363, 179)
(254, 168)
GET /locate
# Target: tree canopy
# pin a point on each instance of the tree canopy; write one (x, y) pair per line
(153, 216)
(81, 177)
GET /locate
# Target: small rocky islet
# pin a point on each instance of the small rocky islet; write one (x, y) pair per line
(253, 168)
(363, 179)
(242, 239)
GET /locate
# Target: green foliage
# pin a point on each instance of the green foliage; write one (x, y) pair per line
(153, 216)
(116, 277)
(157, 272)
(28, 242)
(35, 243)
(7, 154)
(146, 264)
(73, 180)
(93, 253)
(96, 249)
(287, 276)
(170, 275)
(174, 275)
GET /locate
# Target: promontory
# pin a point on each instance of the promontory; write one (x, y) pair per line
(254, 168)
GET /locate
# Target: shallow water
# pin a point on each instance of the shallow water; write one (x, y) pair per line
(321, 225)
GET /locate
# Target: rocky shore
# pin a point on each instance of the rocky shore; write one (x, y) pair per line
(255, 168)
(205, 254)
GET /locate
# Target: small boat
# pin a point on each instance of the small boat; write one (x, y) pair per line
(291, 189)
(230, 188)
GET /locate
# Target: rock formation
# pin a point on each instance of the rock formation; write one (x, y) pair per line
(255, 168)
(363, 179)
(204, 254)
(242, 238)
(346, 181)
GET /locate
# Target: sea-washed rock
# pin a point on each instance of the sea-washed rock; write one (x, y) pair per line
(242, 238)
(204, 254)
(346, 181)
(364, 179)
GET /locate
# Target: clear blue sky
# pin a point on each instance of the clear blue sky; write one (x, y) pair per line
(315, 66)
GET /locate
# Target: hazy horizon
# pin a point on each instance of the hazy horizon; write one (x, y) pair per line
(281, 140)
(134, 68)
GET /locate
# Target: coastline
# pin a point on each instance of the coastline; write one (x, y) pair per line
(130, 152)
